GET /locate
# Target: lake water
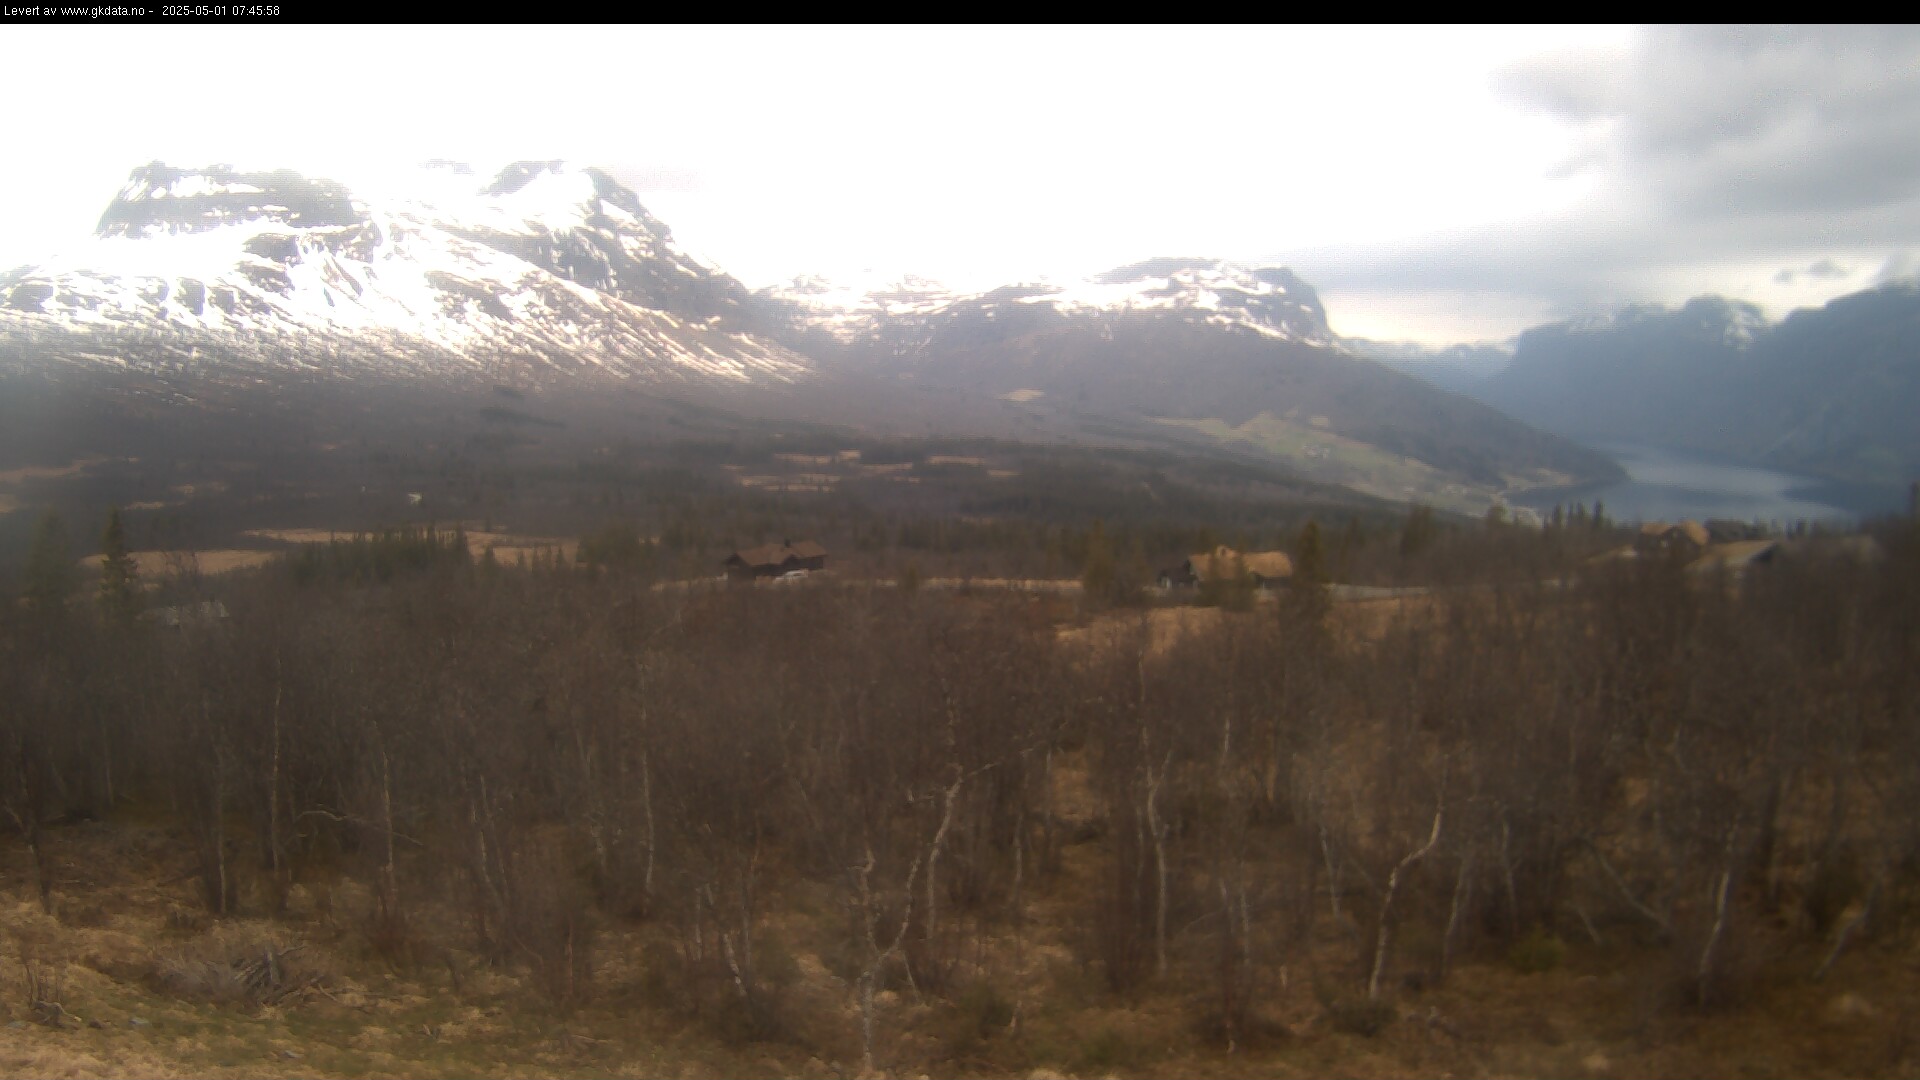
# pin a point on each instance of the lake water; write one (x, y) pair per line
(1669, 485)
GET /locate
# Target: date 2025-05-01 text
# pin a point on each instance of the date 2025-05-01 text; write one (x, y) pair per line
(161, 11)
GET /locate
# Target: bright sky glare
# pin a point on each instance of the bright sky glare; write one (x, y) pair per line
(1438, 184)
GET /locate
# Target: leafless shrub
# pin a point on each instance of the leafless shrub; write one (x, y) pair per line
(46, 986)
(245, 973)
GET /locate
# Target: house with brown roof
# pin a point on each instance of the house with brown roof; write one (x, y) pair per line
(774, 560)
(1221, 564)
(1686, 540)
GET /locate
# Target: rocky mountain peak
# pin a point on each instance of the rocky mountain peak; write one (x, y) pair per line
(161, 198)
(543, 262)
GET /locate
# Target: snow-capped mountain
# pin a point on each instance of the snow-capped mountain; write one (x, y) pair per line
(540, 267)
(1268, 300)
(251, 277)
(1239, 355)
(850, 307)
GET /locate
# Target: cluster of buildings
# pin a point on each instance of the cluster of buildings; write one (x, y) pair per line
(1724, 548)
(1264, 569)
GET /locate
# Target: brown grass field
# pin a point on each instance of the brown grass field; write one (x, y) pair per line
(155, 565)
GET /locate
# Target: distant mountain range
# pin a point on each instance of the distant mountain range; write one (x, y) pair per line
(546, 272)
(1267, 300)
(1831, 391)
(1233, 355)
(1459, 368)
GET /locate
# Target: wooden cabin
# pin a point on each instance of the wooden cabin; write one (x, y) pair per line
(773, 560)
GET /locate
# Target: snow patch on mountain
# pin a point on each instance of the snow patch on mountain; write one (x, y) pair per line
(1269, 300)
(1737, 323)
(544, 264)
(848, 307)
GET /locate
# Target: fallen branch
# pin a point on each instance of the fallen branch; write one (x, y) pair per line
(1652, 916)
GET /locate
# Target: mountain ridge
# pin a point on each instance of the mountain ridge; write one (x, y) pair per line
(543, 270)
(1827, 391)
(1236, 354)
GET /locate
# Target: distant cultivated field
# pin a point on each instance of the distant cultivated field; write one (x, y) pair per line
(1358, 465)
(507, 547)
(154, 565)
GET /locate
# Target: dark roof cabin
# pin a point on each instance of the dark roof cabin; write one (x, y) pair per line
(1686, 540)
(772, 560)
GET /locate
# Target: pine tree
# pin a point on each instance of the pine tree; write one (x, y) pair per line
(1350, 541)
(50, 574)
(1308, 602)
(119, 585)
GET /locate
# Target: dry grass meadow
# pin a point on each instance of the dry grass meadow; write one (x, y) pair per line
(146, 986)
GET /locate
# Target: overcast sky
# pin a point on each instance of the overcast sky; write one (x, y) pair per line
(1434, 184)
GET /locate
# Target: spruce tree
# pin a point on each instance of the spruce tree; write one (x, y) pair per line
(1308, 601)
(50, 573)
(119, 585)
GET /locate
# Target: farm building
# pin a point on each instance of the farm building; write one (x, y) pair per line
(1687, 539)
(1265, 567)
(772, 560)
